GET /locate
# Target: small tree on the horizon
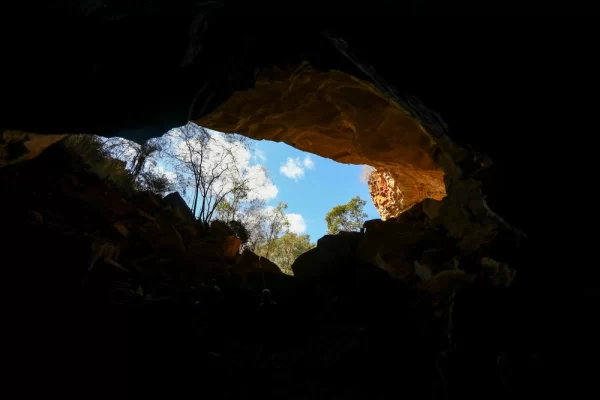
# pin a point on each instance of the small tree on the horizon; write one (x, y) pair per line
(156, 181)
(273, 223)
(346, 217)
(287, 248)
(95, 153)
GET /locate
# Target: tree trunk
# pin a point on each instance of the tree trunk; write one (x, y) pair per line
(139, 165)
(195, 201)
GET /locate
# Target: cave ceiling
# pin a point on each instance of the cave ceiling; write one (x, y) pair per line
(376, 84)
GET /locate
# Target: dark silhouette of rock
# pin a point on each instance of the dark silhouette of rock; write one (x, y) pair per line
(408, 95)
(221, 228)
(330, 266)
(179, 207)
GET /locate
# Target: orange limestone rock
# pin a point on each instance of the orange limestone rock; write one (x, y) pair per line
(343, 118)
(392, 193)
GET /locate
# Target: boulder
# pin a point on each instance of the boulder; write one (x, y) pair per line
(179, 207)
(203, 261)
(372, 223)
(331, 262)
(17, 146)
(231, 247)
(393, 245)
(221, 228)
(307, 266)
(249, 262)
(432, 208)
(147, 201)
(170, 243)
(188, 232)
(199, 252)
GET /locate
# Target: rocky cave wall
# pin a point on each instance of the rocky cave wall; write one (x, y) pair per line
(324, 84)
(17, 146)
(346, 119)
(349, 120)
(331, 114)
(137, 70)
(341, 117)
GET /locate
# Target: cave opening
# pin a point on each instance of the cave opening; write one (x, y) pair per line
(445, 296)
(179, 267)
(277, 200)
(145, 236)
(170, 269)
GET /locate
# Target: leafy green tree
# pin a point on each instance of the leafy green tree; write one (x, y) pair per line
(346, 217)
(208, 166)
(142, 154)
(286, 248)
(156, 182)
(238, 212)
(232, 206)
(240, 230)
(93, 151)
(272, 224)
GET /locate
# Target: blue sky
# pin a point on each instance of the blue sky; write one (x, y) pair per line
(309, 184)
(311, 188)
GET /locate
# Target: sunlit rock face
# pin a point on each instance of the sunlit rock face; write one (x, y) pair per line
(343, 118)
(17, 146)
(396, 190)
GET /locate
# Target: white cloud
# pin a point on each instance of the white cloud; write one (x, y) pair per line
(122, 149)
(170, 175)
(308, 162)
(297, 224)
(260, 155)
(261, 187)
(292, 168)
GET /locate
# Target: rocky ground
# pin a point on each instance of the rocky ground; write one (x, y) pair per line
(126, 295)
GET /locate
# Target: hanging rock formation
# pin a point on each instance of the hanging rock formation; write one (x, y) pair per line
(325, 86)
(339, 117)
(137, 71)
(391, 196)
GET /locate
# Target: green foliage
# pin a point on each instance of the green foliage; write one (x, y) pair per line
(95, 154)
(226, 210)
(286, 249)
(88, 147)
(107, 159)
(207, 169)
(271, 226)
(240, 231)
(346, 217)
(273, 240)
(156, 182)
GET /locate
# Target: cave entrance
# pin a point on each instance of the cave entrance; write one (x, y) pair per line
(327, 114)
(277, 199)
(345, 119)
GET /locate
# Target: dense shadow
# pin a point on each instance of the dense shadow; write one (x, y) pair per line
(348, 331)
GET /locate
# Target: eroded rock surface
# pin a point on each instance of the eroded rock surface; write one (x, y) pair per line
(343, 118)
(393, 195)
(148, 236)
(18, 146)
